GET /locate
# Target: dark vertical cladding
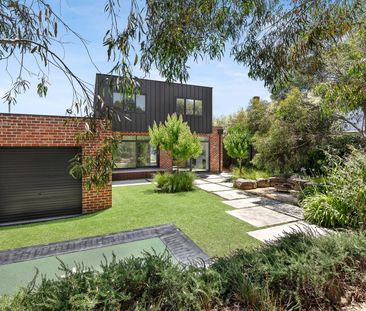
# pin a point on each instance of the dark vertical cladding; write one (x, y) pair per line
(160, 100)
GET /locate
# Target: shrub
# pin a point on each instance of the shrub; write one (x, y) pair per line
(308, 191)
(328, 211)
(171, 182)
(153, 282)
(298, 272)
(342, 202)
(250, 173)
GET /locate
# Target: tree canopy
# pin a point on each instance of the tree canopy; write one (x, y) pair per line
(279, 41)
(273, 38)
(237, 142)
(174, 136)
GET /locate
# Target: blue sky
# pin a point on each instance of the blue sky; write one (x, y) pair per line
(232, 88)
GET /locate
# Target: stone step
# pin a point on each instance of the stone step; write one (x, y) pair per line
(274, 233)
(260, 216)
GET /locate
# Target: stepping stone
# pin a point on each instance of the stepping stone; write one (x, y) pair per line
(274, 233)
(210, 187)
(216, 180)
(260, 216)
(226, 175)
(200, 182)
(226, 184)
(249, 202)
(288, 209)
(210, 176)
(231, 194)
(271, 193)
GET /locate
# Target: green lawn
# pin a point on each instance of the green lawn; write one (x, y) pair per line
(199, 214)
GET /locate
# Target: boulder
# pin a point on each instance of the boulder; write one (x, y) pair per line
(263, 182)
(299, 184)
(285, 187)
(275, 181)
(245, 184)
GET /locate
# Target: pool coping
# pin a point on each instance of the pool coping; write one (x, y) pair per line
(180, 245)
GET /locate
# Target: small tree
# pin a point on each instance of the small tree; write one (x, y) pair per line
(175, 136)
(236, 143)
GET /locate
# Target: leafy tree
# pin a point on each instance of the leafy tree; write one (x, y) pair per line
(228, 121)
(257, 116)
(237, 143)
(174, 136)
(344, 88)
(297, 132)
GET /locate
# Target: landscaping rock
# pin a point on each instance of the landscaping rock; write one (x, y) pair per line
(245, 184)
(263, 183)
(299, 184)
(274, 181)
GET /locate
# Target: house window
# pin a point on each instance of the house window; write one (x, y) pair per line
(187, 106)
(190, 106)
(202, 162)
(128, 103)
(135, 152)
(180, 106)
(198, 107)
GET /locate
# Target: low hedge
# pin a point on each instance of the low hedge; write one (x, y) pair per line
(171, 182)
(299, 272)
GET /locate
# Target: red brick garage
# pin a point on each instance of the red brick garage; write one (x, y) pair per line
(52, 139)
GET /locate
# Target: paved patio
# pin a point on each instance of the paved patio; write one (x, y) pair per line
(268, 212)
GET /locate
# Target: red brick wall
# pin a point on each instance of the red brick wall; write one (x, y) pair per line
(49, 131)
(216, 151)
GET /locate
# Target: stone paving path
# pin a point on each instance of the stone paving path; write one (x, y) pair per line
(273, 233)
(277, 217)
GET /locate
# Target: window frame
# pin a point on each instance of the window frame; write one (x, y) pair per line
(135, 103)
(189, 163)
(185, 106)
(136, 140)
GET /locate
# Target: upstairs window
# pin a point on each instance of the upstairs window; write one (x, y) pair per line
(180, 106)
(129, 103)
(190, 107)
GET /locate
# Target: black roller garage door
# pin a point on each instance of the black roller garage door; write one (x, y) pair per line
(35, 183)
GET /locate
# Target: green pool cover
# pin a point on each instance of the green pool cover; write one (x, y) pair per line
(15, 275)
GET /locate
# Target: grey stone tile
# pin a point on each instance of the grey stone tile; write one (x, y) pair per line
(230, 194)
(249, 202)
(200, 182)
(274, 233)
(211, 187)
(288, 209)
(260, 216)
(210, 176)
(226, 184)
(271, 193)
(215, 180)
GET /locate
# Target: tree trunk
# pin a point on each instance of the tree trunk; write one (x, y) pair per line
(363, 128)
(240, 166)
